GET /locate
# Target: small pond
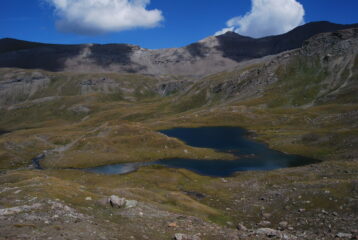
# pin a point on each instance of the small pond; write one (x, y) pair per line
(250, 155)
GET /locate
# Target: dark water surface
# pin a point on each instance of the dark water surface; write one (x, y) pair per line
(250, 155)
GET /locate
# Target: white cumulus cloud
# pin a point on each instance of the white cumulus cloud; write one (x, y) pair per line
(91, 17)
(267, 17)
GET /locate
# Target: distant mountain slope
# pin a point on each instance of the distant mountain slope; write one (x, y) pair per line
(210, 55)
(9, 44)
(242, 48)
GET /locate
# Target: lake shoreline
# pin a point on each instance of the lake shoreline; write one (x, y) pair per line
(250, 155)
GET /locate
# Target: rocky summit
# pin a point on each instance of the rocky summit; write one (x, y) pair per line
(65, 109)
(208, 56)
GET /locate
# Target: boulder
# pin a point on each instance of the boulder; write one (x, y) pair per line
(116, 201)
(241, 227)
(283, 224)
(181, 236)
(264, 223)
(269, 232)
(344, 235)
(79, 109)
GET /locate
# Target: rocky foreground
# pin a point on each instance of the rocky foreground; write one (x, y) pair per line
(313, 202)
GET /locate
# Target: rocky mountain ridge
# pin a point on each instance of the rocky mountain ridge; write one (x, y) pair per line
(208, 56)
(325, 52)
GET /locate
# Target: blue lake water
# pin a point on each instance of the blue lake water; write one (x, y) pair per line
(250, 155)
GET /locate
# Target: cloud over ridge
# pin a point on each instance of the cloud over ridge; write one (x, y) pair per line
(91, 17)
(267, 17)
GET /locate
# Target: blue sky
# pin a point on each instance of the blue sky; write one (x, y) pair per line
(175, 23)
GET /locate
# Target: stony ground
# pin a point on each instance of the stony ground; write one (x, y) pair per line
(313, 202)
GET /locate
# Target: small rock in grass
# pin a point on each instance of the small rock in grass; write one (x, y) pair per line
(344, 235)
(180, 236)
(266, 215)
(241, 227)
(269, 232)
(283, 224)
(264, 223)
(224, 180)
(116, 201)
(88, 199)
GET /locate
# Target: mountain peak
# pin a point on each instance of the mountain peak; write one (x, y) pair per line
(231, 34)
